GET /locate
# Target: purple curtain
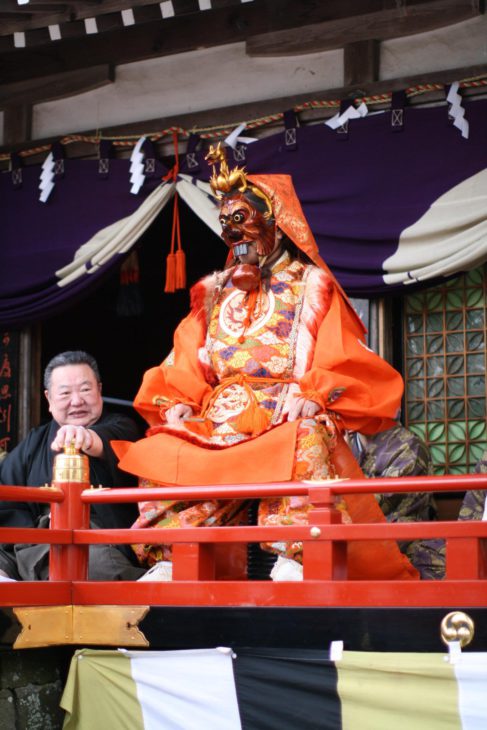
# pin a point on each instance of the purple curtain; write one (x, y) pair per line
(360, 191)
(40, 238)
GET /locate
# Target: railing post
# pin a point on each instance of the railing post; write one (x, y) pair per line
(466, 558)
(193, 561)
(323, 559)
(69, 562)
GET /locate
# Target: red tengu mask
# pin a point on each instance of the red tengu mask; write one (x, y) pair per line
(242, 223)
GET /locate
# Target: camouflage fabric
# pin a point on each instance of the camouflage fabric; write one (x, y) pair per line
(398, 452)
(473, 504)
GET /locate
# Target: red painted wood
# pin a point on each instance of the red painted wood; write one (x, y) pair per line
(36, 593)
(449, 483)
(69, 562)
(195, 549)
(30, 494)
(324, 560)
(373, 594)
(465, 559)
(34, 534)
(193, 561)
(394, 531)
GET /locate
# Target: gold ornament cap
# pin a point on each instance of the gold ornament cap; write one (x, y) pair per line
(71, 466)
(457, 626)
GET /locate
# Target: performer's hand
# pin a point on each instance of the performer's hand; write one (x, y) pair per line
(176, 414)
(302, 408)
(84, 439)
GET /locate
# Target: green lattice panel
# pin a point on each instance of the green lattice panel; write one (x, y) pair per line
(445, 364)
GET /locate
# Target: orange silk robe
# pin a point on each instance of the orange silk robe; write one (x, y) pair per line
(302, 338)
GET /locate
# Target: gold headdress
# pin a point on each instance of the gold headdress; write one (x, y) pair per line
(225, 181)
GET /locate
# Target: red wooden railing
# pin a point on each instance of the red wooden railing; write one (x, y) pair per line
(195, 549)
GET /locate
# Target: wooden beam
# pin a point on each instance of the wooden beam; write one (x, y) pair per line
(31, 9)
(274, 12)
(109, 6)
(265, 14)
(361, 62)
(253, 110)
(402, 20)
(17, 123)
(230, 116)
(153, 37)
(56, 86)
(15, 24)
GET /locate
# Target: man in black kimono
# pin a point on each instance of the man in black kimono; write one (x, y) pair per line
(73, 390)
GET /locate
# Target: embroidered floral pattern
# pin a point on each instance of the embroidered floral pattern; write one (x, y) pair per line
(267, 351)
(311, 461)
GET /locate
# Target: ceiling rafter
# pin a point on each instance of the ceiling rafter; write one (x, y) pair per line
(433, 89)
(297, 26)
(402, 20)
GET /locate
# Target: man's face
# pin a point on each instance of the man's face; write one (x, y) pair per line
(243, 224)
(74, 396)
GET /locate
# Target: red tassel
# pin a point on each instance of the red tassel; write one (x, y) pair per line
(180, 269)
(176, 260)
(253, 420)
(170, 286)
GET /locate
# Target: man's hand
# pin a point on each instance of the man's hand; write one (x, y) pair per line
(84, 439)
(177, 414)
(302, 408)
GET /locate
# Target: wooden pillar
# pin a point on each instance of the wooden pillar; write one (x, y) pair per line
(17, 128)
(17, 124)
(361, 62)
(30, 380)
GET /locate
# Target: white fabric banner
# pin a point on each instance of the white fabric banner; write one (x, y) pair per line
(119, 237)
(194, 689)
(471, 674)
(450, 237)
(151, 690)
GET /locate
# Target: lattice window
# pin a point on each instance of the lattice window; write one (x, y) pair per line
(444, 370)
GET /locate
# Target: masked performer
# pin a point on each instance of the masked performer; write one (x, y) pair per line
(267, 371)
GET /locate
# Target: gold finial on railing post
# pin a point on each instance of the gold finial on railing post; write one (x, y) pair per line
(71, 465)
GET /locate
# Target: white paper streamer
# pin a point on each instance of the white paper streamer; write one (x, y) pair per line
(91, 26)
(19, 39)
(351, 113)
(54, 32)
(46, 185)
(336, 651)
(456, 110)
(454, 652)
(128, 17)
(167, 9)
(234, 137)
(137, 176)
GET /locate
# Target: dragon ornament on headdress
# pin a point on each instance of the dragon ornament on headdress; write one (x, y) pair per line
(247, 220)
